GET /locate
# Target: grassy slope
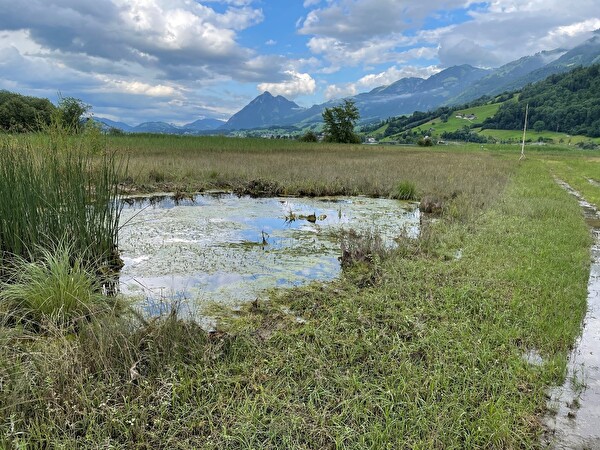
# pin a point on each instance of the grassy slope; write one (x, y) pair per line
(420, 350)
(482, 112)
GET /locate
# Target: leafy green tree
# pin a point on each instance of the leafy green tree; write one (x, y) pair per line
(19, 113)
(340, 121)
(309, 136)
(539, 125)
(70, 112)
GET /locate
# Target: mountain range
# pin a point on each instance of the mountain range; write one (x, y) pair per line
(452, 86)
(199, 126)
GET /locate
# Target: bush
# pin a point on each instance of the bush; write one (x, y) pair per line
(406, 191)
(58, 289)
(362, 248)
(309, 136)
(425, 142)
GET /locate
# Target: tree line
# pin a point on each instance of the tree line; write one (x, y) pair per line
(22, 114)
(568, 103)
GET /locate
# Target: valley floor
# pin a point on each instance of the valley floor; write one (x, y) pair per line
(423, 348)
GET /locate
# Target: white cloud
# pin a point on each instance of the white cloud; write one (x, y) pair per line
(510, 29)
(371, 32)
(137, 87)
(372, 52)
(296, 84)
(309, 3)
(334, 91)
(359, 20)
(394, 74)
(374, 80)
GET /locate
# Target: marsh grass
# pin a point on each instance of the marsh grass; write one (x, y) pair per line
(427, 354)
(55, 187)
(56, 289)
(310, 169)
(406, 190)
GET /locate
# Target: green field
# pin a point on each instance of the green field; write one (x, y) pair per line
(421, 347)
(454, 123)
(517, 135)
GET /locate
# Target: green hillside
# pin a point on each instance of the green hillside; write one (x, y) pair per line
(535, 136)
(562, 109)
(455, 122)
(569, 103)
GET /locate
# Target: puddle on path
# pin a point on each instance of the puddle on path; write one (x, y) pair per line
(576, 424)
(227, 248)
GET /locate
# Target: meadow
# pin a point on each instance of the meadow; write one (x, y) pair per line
(422, 347)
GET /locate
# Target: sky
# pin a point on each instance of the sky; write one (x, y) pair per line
(182, 60)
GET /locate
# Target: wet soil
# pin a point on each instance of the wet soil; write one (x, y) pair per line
(576, 424)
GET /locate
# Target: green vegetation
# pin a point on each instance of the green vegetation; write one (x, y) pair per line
(70, 111)
(19, 113)
(339, 123)
(408, 129)
(406, 191)
(51, 190)
(57, 289)
(457, 119)
(309, 136)
(419, 347)
(567, 102)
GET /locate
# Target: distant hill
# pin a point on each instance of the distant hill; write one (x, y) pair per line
(401, 97)
(112, 124)
(568, 102)
(204, 124)
(263, 111)
(584, 55)
(500, 79)
(199, 126)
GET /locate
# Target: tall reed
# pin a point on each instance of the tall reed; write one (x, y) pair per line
(52, 192)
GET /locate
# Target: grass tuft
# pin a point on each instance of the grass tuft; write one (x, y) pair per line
(56, 289)
(406, 190)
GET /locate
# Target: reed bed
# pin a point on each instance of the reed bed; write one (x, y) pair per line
(58, 190)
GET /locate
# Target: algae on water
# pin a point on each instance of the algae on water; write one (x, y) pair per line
(228, 249)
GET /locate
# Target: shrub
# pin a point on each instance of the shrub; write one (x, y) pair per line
(425, 142)
(309, 136)
(406, 190)
(362, 248)
(58, 288)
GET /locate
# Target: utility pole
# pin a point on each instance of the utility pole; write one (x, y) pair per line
(524, 131)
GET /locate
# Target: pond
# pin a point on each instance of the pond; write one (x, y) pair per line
(229, 249)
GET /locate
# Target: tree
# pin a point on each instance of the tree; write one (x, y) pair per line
(309, 136)
(70, 111)
(539, 125)
(19, 113)
(340, 121)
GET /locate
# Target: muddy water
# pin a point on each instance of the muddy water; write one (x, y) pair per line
(229, 249)
(576, 424)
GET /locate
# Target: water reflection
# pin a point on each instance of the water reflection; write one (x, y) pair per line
(227, 248)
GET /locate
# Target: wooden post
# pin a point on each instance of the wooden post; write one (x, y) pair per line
(524, 131)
